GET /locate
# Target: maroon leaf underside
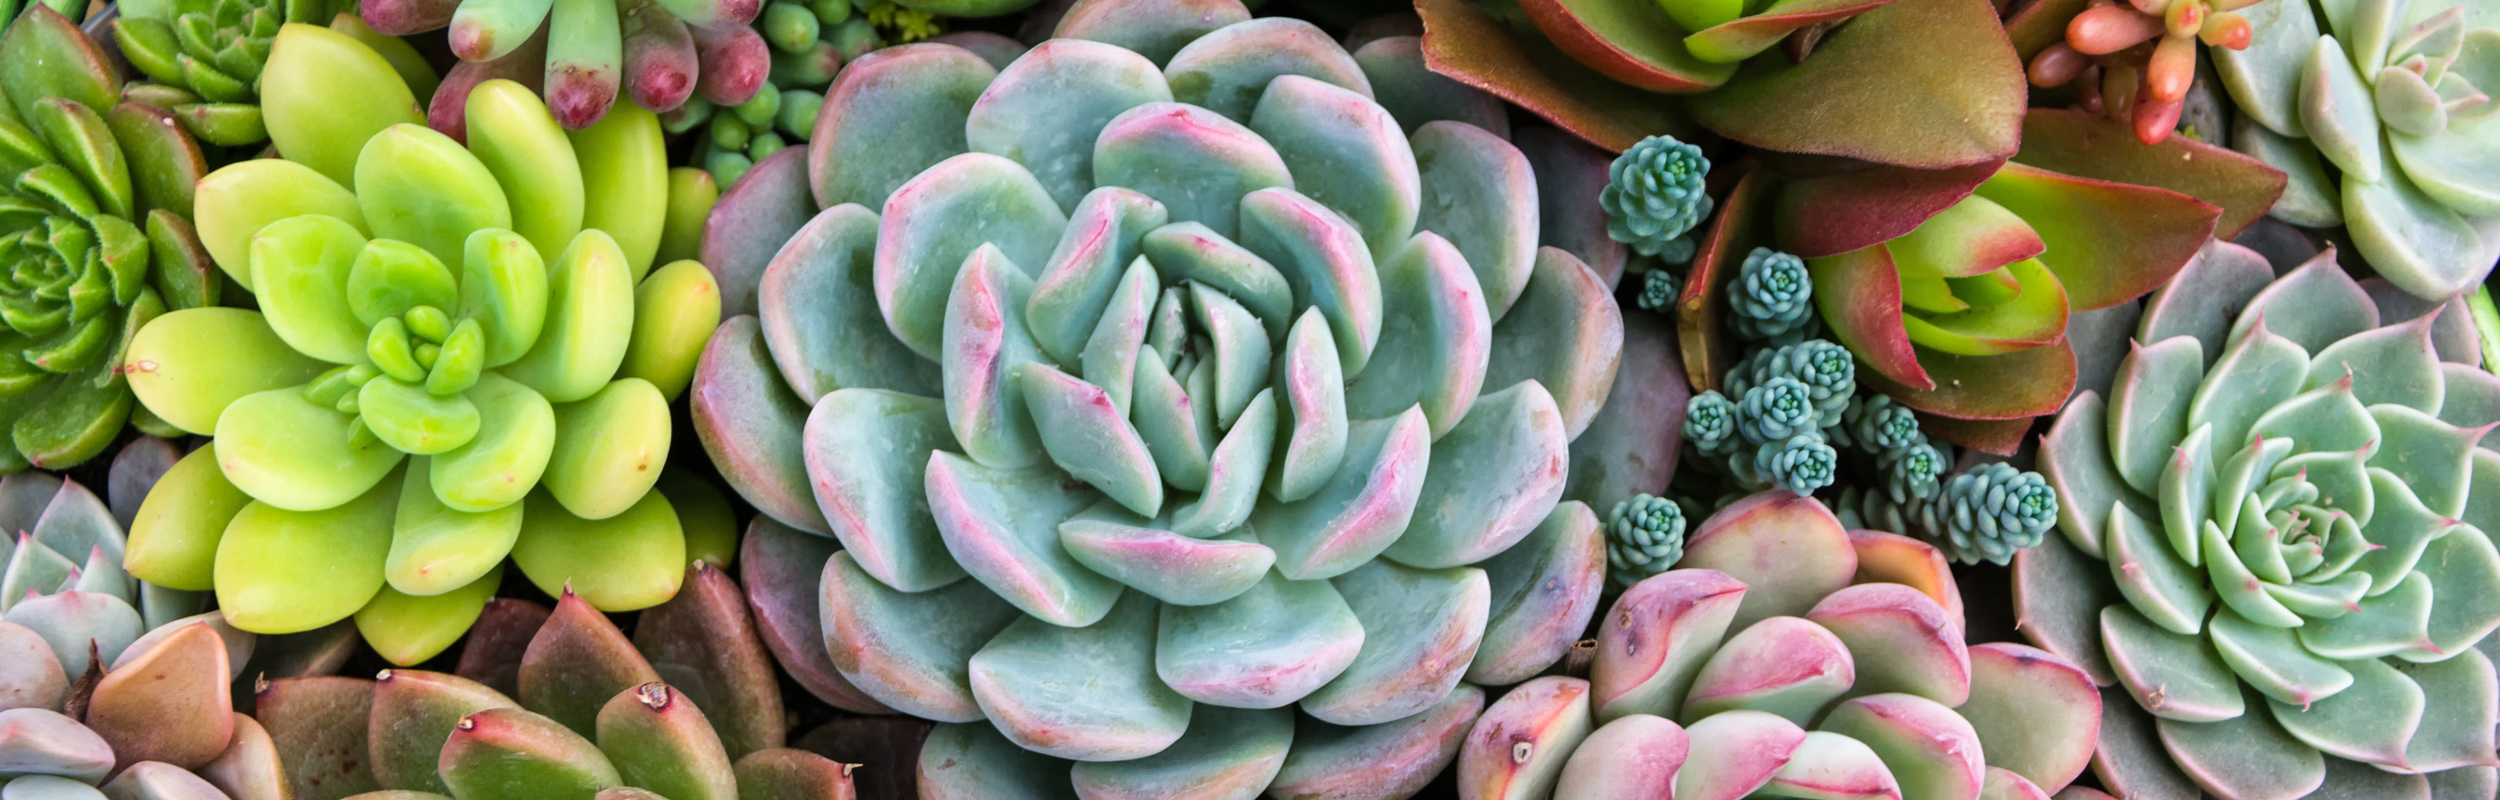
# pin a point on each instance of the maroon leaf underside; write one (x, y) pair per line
(2093, 146)
(2014, 386)
(1467, 45)
(1846, 204)
(1859, 295)
(2002, 437)
(1879, 89)
(1741, 225)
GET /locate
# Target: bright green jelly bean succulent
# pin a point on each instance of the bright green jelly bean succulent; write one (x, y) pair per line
(1191, 394)
(214, 50)
(94, 240)
(434, 347)
(2295, 508)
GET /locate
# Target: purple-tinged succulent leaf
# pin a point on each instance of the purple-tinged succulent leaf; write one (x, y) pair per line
(971, 761)
(1893, 558)
(169, 704)
(1544, 591)
(785, 774)
(1172, 567)
(498, 641)
(1002, 526)
(819, 314)
(1235, 754)
(780, 568)
(908, 650)
(1191, 251)
(1435, 339)
(1156, 30)
(867, 452)
(1570, 173)
(1416, 95)
(1899, 640)
(704, 644)
(1062, 91)
(2037, 715)
(1494, 477)
(752, 426)
(318, 726)
(30, 677)
(2369, 721)
(2092, 145)
(889, 115)
(2112, 241)
(1197, 163)
(1655, 639)
(2207, 295)
(511, 754)
(1085, 434)
(1931, 750)
(1346, 152)
(1226, 70)
(1377, 762)
(2314, 305)
(935, 225)
(661, 741)
(1323, 258)
(71, 620)
(413, 713)
(1633, 751)
(1267, 647)
(1518, 748)
(2059, 592)
(1360, 511)
(135, 470)
(1088, 694)
(1076, 291)
(2453, 334)
(1787, 666)
(1735, 753)
(1629, 446)
(2003, 784)
(157, 780)
(1569, 337)
(576, 662)
(43, 742)
(1832, 765)
(1790, 552)
(1420, 631)
(1930, 110)
(750, 222)
(2249, 757)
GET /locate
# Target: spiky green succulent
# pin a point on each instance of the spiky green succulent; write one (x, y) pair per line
(2294, 508)
(1706, 678)
(1654, 194)
(2397, 97)
(455, 339)
(1772, 298)
(213, 51)
(95, 240)
(1644, 536)
(1169, 406)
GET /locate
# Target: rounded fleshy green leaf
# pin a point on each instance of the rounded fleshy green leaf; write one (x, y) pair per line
(1227, 70)
(419, 186)
(410, 629)
(188, 365)
(2172, 675)
(589, 322)
(1361, 510)
(2370, 721)
(413, 420)
(1083, 433)
(235, 202)
(436, 548)
(1345, 152)
(1435, 339)
(325, 95)
(282, 571)
(1324, 258)
(1312, 401)
(1494, 477)
(1636, 750)
(609, 449)
(1931, 750)
(1900, 640)
(1225, 753)
(1391, 759)
(1655, 639)
(2148, 408)
(1075, 293)
(934, 223)
(1194, 161)
(675, 311)
(1046, 106)
(1081, 693)
(752, 427)
(867, 450)
(1420, 630)
(2249, 756)
(2453, 168)
(173, 537)
(286, 452)
(1544, 590)
(964, 761)
(635, 559)
(819, 312)
(1787, 666)
(1790, 552)
(1267, 647)
(2427, 248)
(1173, 568)
(888, 116)
(302, 266)
(412, 712)
(1002, 526)
(909, 650)
(510, 754)
(512, 134)
(516, 437)
(575, 662)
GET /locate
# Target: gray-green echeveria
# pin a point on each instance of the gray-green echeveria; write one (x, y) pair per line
(1192, 393)
(2292, 508)
(2396, 95)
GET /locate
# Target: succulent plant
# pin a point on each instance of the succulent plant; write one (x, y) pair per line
(1771, 298)
(95, 240)
(1644, 536)
(213, 53)
(424, 420)
(1205, 406)
(1706, 678)
(2137, 59)
(158, 724)
(2292, 509)
(65, 578)
(1654, 193)
(1658, 291)
(2396, 96)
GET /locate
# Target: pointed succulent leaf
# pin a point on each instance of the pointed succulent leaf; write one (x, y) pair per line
(2430, 457)
(963, 761)
(170, 704)
(1544, 590)
(752, 426)
(508, 753)
(2314, 305)
(2249, 756)
(2451, 733)
(704, 643)
(1920, 123)
(1859, 293)
(787, 774)
(908, 650)
(2256, 373)
(633, 560)
(1173, 568)
(1020, 678)
(2074, 458)
(1657, 637)
(898, 112)
(928, 230)
(318, 727)
(2371, 721)
(2208, 293)
(413, 713)
(1359, 512)
(1799, 534)
(2148, 405)
(1736, 753)
(1234, 753)
(498, 641)
(576, 663)
(2392, 364)
(1520, 746)
(867, 450)
(1074, 292)
(660, 741)
(1268, 646)
(1900, 641)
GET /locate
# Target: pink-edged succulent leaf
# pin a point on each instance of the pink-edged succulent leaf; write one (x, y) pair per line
(785, 774)
(707, 645)
(508, 752)
(2170, 675)
(1154, 29)
(1885, 557)
(1512, 439)
(1225, 70)
(2452, 735)
(44, 742)
(1343, 149)
(318, 726)
(934, 226)
(752, 222)
(1900, 641)
(170, 703)
(752, 426)
(2090, 145)
(1480, 193)
(84, 628)
(30, 677)
(1735, 753)
(1931, 750)
(2369, 721)
(819, 315)
(2011, 387)
(1829, 206)
(1835, 766)
(867, 452)
(1789, 551)
(1119, 709)
(971, 761)
(1323, 255)
(1168, 151)
(1631, 446)
(1635, 750)
(2314, 305)
(1003, 527)
(908, 650)
(1435, 338)
(2037, 715)
(1391, 760)
(897, 111)
(1061, 92)
(1655, 639)
(2108, 242)
(1570, 173)
(1878, 95)
(2206, 296)
(1088, 437)
(1267, 647)
(576, 662)
(985, 340)
(1173, 568)
(1518, 64)
(1566, 333)
(2004, 784)
(1544, 591)
(1743, 223)
(413, 712)
(1227, 752)
(780, 569)
(1359, 511)
(2249, 757)
(1518, 748)
(2059, 592)
(498, 640)
(1420, 631)
(1787, 666)
(1859, 296)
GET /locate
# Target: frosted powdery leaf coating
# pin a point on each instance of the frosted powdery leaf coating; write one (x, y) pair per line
(1183, 390)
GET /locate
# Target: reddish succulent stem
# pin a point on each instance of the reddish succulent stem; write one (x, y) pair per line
(2057, 66)
(2109, 29)
(449, 110)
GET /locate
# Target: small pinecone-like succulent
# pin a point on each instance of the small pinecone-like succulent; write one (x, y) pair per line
(1990, 512)
(1777, 410)
(1658, 290)
(1877, 425)
(1825, 368)
(1710, 424)
(1654, 194)
(1644, 536)
(1912, 472)
(1801, 464)
(1772, 296)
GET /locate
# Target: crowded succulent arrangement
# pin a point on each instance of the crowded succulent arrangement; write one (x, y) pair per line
(1489, 399)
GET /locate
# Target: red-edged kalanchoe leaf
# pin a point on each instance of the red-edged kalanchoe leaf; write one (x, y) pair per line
(1632, 44)
(1859, 293)
(1828, 206)
(578, 661)
(660, 740)
(2110, 242)
(1514, 62)
(1878, 95)
(706, 645)
(318, 726)
(413, 712)
(781, 568)
(2014, 386)
(2090, 145)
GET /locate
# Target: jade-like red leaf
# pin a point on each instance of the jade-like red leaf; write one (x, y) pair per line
(2093, 146)
(1470, 46)
(2017, 385)
(1633, 42)
(1859, 295)
(1845, 204)
(1755, 33)
(1881, 89)
(2000, 436)
(2108, 242)
(2041, 23)
(1742, 224)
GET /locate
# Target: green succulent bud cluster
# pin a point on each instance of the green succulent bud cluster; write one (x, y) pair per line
(1773, 298)
(1659, 288)
(1654, 195)
(213, 51)
(1644, 536)
(1987, 513)
(1710, 424)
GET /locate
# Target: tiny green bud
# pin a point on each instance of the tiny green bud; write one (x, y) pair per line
(387, 347)
(326, 389)
(463, 356)
(758, 111)
(830, 12)
(799, 109)
(789, 26)
(696, 111)
(426, 354)
(428, 323)
(727, 166)
(728, 133)
(765, 144)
